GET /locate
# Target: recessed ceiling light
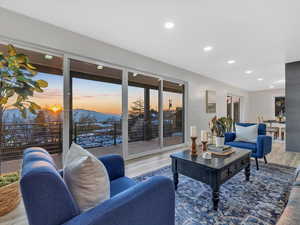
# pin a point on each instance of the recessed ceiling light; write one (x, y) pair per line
(169, 25)
(231, 61)
(135, 74)
(49, 57)
(99, 67)
(260, 79)
(248, 71)
(272, 86)
(207, 48)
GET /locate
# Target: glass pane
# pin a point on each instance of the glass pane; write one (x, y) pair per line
(97, 107)
(40, 129)
(229, 106)
(236, 108)
(143, 113)
(173, 113)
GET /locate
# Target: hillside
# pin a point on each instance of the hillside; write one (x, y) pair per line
(14, 116)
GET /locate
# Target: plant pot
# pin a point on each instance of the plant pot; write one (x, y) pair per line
(220, 141)
(9, 197)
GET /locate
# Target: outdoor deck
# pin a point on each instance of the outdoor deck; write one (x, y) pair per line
(133, 148)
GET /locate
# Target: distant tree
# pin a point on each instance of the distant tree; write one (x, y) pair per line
(136, 109)
(40, 117)
(154, 113)
(40, 127)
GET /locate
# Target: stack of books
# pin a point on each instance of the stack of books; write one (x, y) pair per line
(219, 149)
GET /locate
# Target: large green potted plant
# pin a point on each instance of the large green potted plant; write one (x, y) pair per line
(218, 128)
(16, 82)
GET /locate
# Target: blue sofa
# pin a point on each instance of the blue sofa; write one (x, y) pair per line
(48, 201)
(260, 149)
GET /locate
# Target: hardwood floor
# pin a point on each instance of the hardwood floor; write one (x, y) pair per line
(146, 164)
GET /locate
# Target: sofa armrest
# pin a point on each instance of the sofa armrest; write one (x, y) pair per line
(114, 165)
(148, 203)
(264, 145)
(229, 136)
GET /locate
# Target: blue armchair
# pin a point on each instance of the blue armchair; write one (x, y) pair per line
(260, 149)
(48, 201)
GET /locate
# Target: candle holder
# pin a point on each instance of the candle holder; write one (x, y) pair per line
(194, 150)
(204, 146)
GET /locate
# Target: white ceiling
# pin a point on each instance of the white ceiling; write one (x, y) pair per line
(261, 35)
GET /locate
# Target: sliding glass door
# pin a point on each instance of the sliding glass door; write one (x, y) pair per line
(233, 108)
(143, 113)
(96, 107)
(173, 113)
(119, 111)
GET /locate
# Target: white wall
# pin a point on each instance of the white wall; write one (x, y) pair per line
(263, 104)
(18, 27)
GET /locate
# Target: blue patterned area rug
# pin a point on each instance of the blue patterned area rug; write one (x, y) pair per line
(259, 201)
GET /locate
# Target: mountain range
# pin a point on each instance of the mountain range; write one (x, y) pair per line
(14, 116)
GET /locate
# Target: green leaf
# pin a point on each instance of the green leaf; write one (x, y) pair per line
(11, 50)
(21, 58)
(34, 106)
(4, 74)
(32, 110)
(42, 83)
(20, 98)
(37, 89)
(21, 78)
(3, 100)
(10, 93)
(31, 67)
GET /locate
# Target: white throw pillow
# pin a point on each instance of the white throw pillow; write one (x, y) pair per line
(86, 178)
(247, 134)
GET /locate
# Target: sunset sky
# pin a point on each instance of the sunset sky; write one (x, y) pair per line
(97, 96)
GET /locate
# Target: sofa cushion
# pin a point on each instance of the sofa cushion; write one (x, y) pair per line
(241, 144)
(121, 184)
(262, 128)
(86, 177)
(246, 133)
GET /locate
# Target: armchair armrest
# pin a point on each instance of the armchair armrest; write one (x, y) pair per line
(114, 165)
(148, 203)
(229, 136)
(264, 145)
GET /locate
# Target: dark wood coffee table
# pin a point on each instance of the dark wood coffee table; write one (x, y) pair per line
(213, 172)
